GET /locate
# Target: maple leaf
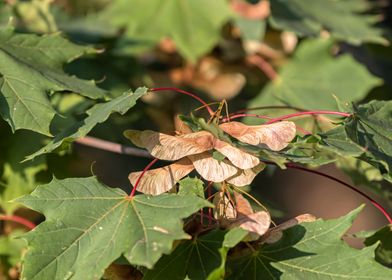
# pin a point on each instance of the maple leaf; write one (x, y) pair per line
(30, 68)
(89, 225)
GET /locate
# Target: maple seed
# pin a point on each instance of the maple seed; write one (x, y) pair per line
(241, 215)
(194, 150)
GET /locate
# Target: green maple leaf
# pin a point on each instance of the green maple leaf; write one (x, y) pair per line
(313, 77)
(312, 250)
(30, 70)
(89, 225)
(194, 25)
(195, 258)
(371, 128)
(344, 19)
(193, 186)
(384, 248)
(232, 238)
(203, 257)
(19, 179)
(97, 114)
(11, 249)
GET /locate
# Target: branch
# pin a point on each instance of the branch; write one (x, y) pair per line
(112, 147)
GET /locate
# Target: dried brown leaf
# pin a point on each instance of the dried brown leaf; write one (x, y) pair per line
(211, 169)
(160, 180)
(276, 136)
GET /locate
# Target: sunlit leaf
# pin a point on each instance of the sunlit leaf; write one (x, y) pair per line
(195, 258)
(194, 25)
(314, 76)
(344, 19)
(97, 114)
(311, 250)
(89, 225)
(31, 69)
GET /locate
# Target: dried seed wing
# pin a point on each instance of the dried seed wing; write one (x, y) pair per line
(224, 210)
(238, 157)
(211, 169)
(276, 136)
(168, 147)
(242, 205)
(242, 132)
(245, 177)
(160, 180)
(256, 223)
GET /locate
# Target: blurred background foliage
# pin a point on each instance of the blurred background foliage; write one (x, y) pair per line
(305, 54)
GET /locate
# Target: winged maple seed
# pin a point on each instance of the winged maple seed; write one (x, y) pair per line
(194, 151)
(241, 215)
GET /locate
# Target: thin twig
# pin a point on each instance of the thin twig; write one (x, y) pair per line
(375, 203)
(112, 147)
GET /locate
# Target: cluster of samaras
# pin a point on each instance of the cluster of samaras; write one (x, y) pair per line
(194, 150)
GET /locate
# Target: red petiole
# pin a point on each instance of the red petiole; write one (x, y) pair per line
(306, 113)
(141, 175)
(210, 111)
(19, 220)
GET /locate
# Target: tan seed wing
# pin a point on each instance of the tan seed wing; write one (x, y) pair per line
(276, 136)
(242, 205)
(245, 177)
(168, 147)
(257, 223)
(238, 157)
(160, 180)
(224, 210)
(211, 169)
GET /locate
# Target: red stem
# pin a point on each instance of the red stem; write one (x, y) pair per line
(268, 107)
(375, 203)
(141, 175)
(321, 112)
(19, 220)
(245, 115)
(210, 111)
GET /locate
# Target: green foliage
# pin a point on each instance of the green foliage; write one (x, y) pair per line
(232, 238)
(194, 25)
(310, 251)
(97, 114)
(194, 258)
(371, 128)
(11, 247)
(91, 225)
(312, 67)
(191, 186)
(384, 248)
(344, 19)
(87, 230)
(30, 68)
